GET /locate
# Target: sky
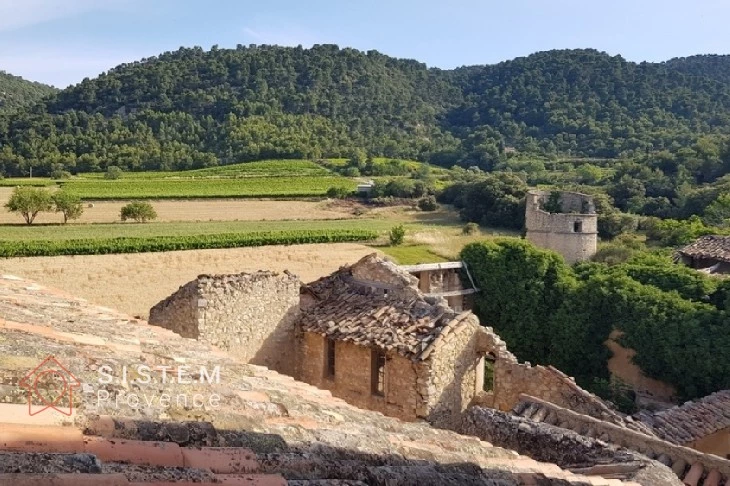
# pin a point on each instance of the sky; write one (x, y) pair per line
(60, 42)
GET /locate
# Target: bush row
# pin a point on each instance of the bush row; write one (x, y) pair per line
(171, 243)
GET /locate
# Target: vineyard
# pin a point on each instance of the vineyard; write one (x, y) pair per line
(263, 168)
(284, 186)
(102, 246)
(187, 228)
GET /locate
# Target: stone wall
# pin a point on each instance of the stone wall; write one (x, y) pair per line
(563, 447)
(450, 376)
(512, 379)
(680, 458)
(353, 376)
(557, 231)
(179, 312)
(250, 315)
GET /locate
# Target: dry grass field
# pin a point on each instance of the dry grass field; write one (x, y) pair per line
(135, 282)
(192, 210)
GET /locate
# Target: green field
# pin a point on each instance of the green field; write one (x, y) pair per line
(206, 188)
(263, 168)
(26, 181)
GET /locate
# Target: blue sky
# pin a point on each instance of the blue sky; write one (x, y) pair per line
(62, 41)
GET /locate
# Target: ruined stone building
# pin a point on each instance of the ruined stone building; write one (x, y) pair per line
(370, 335)
(385, 338)
(708, 253)
(572, 231)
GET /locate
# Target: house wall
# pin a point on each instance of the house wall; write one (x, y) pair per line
(251, 315)
(717, 443)
(353, 376)
(452, 380)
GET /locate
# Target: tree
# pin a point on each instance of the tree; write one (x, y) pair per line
(113, 172)
(718, 213)
(29, 201)
(68, 204)
(139, 211)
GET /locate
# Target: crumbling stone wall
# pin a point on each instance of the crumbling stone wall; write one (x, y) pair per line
(565, 448)
(449, 381)
(179, 312)
(676, 456)
(512, 379)
(558, 231)
(250, 315)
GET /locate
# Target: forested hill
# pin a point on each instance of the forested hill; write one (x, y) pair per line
(16, 92)
(195, 108)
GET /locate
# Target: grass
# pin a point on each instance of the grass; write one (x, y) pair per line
(206, 188)
(412, 254)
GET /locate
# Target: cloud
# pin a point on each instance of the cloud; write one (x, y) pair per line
(15, 14)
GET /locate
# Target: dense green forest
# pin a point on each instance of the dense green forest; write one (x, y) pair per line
(16, 92)
(194, 108)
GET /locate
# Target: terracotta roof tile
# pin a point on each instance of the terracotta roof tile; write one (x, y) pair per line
(354, 311)
(693, 420)
(710, 247)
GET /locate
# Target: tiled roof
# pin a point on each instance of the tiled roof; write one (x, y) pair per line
(375, 314)
(710, 247)
(693, 420)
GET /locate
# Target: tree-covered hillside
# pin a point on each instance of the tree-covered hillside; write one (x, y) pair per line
(16, 92)
(194, 108)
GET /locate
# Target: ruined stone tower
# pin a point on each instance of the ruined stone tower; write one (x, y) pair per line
(572, 231)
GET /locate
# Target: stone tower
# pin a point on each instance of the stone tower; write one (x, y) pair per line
(572, 232)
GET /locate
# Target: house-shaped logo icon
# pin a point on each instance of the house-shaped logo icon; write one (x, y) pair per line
(50, 386)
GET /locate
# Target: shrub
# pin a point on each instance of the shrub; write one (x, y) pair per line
(140, 211)
(67, 203)
(338, 192)
(396, 235)
(29, 201)
(427, 203)
(113, 172)
(612, 224)
(470, 229)
(351, 172)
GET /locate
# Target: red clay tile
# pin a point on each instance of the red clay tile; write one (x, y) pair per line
(32, 438)
(223, 460)
(64, 479)
(250, 480)
(164, 454)
(17, 413)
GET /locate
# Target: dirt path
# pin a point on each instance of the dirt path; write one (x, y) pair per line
(133, 283)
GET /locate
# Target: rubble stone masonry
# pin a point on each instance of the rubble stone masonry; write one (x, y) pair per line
(250, 315)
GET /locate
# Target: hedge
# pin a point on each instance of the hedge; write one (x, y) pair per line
(101, 246)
